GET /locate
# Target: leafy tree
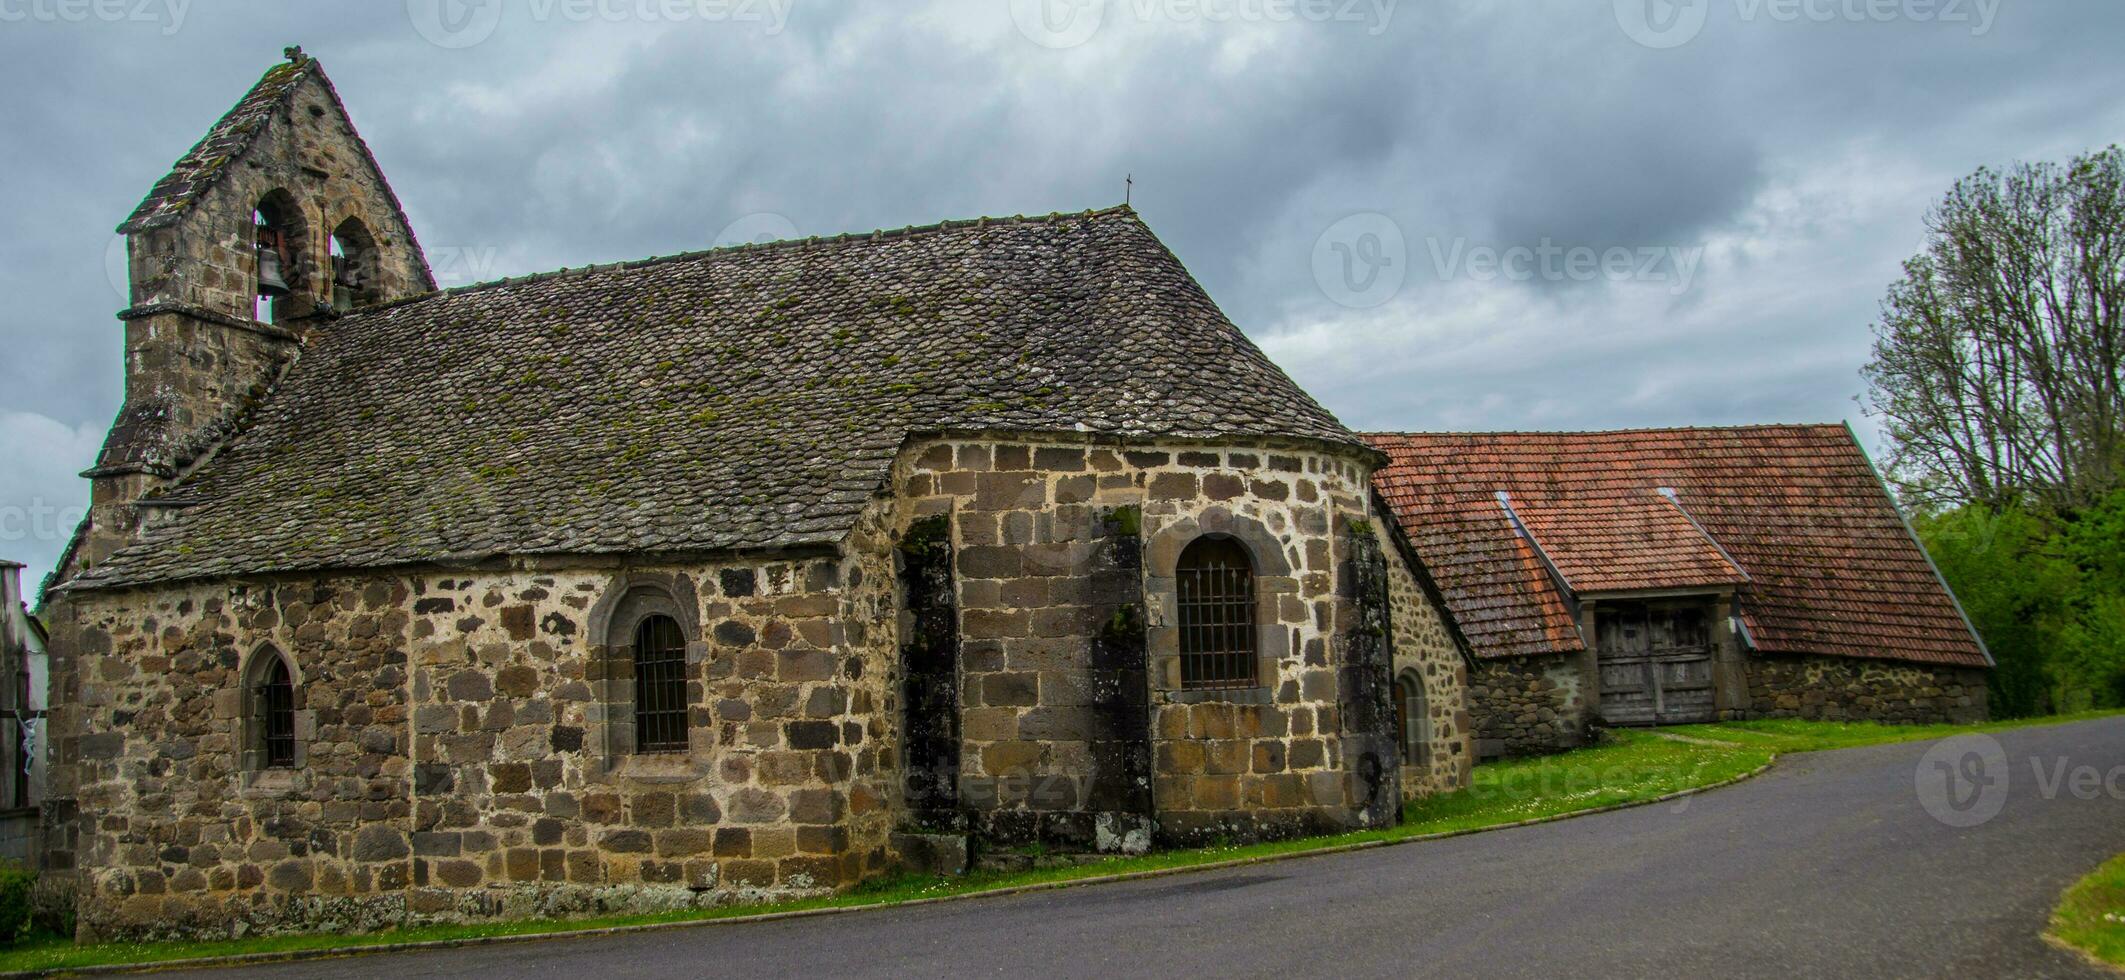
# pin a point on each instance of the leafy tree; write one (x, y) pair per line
(2014, 592)
(2093, 661)
(1997, 357)
(2047, 594)
(1999, 377)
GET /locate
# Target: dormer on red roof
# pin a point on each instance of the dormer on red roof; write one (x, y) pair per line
(1793, 518)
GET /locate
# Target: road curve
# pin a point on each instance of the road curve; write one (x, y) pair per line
(1827, 866)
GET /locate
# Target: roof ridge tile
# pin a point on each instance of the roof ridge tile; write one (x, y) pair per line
(875, 235)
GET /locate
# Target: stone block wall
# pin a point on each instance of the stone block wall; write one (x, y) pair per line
(1844, 689)
(525, 768)
(1034, 525)
(1542, 704)
(187, 382)
(1425, 650)
(173, 836)
(464, 748)
(466, 742)
(1530, 705)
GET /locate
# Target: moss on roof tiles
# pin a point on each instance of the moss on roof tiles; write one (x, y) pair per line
(694, 426)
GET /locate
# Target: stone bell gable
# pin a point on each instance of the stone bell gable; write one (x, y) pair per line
(287, 149)
(283, 172)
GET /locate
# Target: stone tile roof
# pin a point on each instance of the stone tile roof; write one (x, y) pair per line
(1794, 517)
(202, 167)
(751, 397)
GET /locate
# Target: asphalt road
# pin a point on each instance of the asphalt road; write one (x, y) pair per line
(1827, 866)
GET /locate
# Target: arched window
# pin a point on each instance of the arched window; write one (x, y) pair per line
(354, 266)
(269, 737)
(276, 699)
(660, 685)
(1215, 582)
(1412, 720)
(278, 275)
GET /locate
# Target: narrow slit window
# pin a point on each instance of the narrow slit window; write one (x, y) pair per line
(1414, 719)
(276, 709)
(660, 686)
(1215, 580)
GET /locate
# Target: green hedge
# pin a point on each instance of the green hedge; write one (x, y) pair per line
(15, 885)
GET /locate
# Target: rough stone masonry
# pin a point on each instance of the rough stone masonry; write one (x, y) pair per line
(730, 576)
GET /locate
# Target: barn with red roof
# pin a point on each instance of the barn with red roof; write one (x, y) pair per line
(1671, 576)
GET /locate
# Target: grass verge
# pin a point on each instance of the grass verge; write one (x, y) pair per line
(1630, 767)
(2091, 918)
(1791, 735)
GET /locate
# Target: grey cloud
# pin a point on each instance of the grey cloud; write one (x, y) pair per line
(554, 143)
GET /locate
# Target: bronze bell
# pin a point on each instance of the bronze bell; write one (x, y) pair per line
(271, 280)
(346, 282)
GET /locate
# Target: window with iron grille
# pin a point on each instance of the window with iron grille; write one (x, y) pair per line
(276, 715)
(660, 686)
(1215, 581)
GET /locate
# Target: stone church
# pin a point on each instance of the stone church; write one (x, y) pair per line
(738, 574)
(762, 571)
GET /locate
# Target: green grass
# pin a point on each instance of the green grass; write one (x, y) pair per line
(1790, 735)
(2091, 917)
(1630, 767)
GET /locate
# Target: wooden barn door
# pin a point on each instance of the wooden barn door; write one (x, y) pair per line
(1656, 662)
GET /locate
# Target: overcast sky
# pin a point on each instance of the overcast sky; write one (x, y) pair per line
(1434, 215)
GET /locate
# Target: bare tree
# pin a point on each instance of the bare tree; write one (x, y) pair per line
(1997, 356)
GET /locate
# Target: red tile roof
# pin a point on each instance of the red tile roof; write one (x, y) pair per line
(1794, 517)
